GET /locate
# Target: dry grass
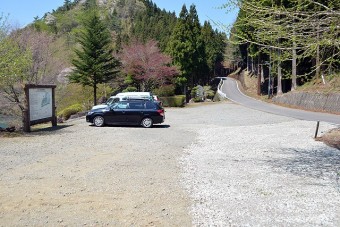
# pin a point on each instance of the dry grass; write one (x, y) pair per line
(331, 138)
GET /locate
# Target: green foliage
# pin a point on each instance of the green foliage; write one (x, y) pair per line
(215, 45)
(193, 92)
(194, 49)
(94, 63)
(154, 23)
(181, 46)
(71, 94)
(208, 92)
(67, 112)
(14, 63)
(130, 89)
(299, 32)
(165, 90)
(3, 26)
(173, 101)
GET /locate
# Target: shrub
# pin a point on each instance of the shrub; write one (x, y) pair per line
(208, 92)
(130, 89)
(193, 92)
(164, 91)
(67, 112)
(173, 101)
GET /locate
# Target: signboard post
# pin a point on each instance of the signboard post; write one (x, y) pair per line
(40, 105)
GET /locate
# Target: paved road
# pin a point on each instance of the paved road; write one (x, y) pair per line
(231, 90)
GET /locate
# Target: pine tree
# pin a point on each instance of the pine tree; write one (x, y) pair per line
(67, 5)
(180, 47)
(214, 47)
(94, 63)
(199, 63)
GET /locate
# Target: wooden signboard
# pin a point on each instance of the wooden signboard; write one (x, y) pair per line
(40, 105)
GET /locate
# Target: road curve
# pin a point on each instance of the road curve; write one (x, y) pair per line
(232, 92)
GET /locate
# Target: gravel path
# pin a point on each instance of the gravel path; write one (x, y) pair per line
(209, 165)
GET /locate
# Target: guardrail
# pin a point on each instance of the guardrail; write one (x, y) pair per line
(219, 91)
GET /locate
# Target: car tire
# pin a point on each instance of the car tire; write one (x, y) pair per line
(147, 122)
(98, 121)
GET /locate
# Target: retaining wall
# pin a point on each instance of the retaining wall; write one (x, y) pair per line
(311, 101)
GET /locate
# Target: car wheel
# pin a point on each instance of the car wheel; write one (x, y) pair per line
(98, 121)
(147, 122)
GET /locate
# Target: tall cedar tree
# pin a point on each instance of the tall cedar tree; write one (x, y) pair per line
(95, 62)
(179, 47)
(215, 44)
(198, 56)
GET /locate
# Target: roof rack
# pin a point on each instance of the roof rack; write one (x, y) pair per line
(135, 98)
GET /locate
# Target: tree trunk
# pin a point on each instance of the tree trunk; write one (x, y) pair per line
(259, 76)
(95, 94)
(279, 79)
(253, 65)
(317, 63)
(293, 88)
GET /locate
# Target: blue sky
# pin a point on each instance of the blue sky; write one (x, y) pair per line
(22, 12)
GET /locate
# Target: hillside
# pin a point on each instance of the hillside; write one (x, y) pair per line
(126, 19)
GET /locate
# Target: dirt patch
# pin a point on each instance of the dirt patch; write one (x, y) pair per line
(331, 138)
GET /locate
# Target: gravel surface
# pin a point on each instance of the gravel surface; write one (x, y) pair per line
(208, 165)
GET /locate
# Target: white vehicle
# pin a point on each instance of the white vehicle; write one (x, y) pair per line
(124, 96)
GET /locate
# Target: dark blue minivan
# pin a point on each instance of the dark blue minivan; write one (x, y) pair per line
(128, 112)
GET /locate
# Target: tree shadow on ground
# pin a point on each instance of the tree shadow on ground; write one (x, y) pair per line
(50, 129)
(319, 163)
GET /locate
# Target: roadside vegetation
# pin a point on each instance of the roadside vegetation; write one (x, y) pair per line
(288, 44)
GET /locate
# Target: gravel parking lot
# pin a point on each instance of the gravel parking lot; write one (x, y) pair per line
(212, 164)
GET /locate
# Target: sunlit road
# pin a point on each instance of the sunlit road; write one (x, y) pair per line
(232, 92)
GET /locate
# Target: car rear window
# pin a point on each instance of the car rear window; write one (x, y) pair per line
(151, 105)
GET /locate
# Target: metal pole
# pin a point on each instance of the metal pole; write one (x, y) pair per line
(317, 129)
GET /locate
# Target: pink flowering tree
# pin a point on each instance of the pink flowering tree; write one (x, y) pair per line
(147, 65)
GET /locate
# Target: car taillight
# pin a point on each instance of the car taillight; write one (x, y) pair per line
(161, 112)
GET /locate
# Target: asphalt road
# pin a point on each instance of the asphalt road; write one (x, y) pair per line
(231, 90)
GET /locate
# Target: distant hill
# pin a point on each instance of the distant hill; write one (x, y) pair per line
(127, 19)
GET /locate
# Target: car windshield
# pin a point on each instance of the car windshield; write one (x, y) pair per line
(109, 101)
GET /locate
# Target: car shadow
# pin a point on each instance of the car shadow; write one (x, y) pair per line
(132, 126)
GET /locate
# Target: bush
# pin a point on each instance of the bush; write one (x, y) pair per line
(67, 112)
(130, 89)
(173, 101)
(208, 92)
(165, 91)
